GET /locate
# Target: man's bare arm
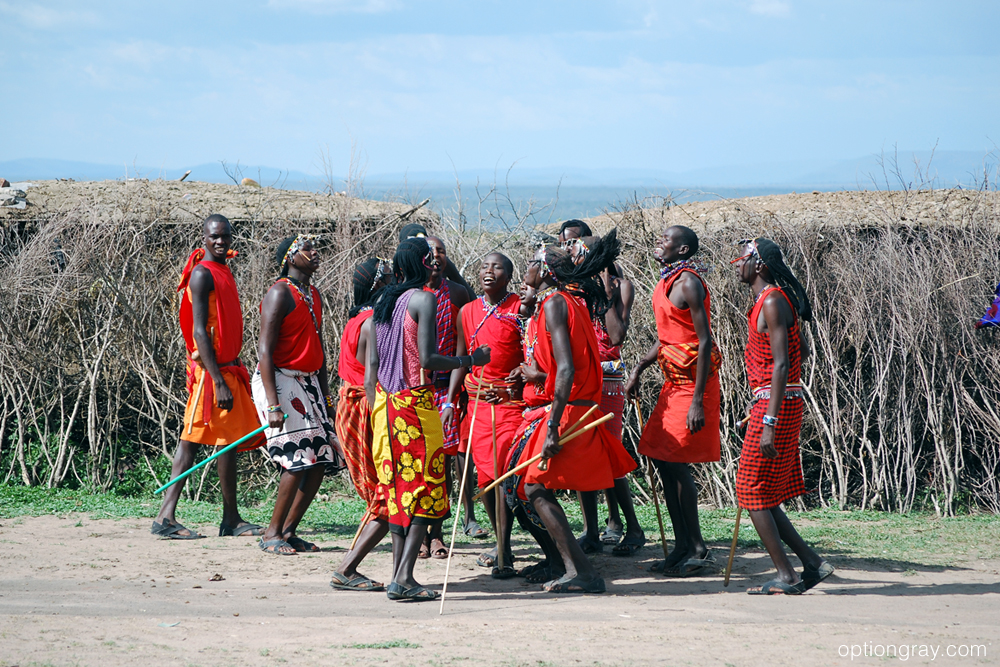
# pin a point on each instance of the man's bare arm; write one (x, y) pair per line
(202, 284)
(694, 295)
(557, 324)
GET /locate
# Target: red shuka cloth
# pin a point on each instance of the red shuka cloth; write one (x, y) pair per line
(766, 483)
(594, 460)
(299, 347)
(210, 425)
(666, 436)
(500, 329)
(348, 368)
(533, 393)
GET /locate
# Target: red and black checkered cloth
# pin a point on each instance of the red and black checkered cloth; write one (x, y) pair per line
(766, 483)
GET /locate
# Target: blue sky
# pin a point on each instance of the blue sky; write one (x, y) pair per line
(427, 85)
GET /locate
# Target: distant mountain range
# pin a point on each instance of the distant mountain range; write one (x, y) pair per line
(946, 169)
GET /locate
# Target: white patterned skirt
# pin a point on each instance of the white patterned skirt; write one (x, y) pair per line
(304, 440)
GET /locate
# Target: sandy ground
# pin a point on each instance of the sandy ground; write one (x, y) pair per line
(80, 592)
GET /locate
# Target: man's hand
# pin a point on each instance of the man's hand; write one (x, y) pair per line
(632, 390)
(481, 356)
(767, 448)
(531, 373)
(551, 446)
(696, 416)
(494, 395)
(447, 416)
(275, 419)
(223, 397)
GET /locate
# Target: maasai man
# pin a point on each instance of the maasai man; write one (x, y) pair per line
(492, 319)
(684, 426)
(566, 351)
(610, 322)
(407, 437)
(292, 393)
(451, 272)
(219, 412)
(770, 471)
(354, 424)
(450, 299)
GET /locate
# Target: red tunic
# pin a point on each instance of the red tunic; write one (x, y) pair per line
(500, 328)
(204, 422)
(534, 392)
(298, 347)
(766, 483)
(592, 461)
(666, 436)
(349, 368)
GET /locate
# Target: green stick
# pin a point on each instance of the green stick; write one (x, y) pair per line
(211, 458)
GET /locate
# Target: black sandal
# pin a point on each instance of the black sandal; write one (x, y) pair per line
(301, 545)
(168, 530)
(244, 529)
(627, 547)
(575, 585)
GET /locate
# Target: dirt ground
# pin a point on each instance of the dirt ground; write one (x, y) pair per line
(79, 592)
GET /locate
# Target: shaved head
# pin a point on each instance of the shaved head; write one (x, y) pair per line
(507, 264)
(216, 219)
(685, 236)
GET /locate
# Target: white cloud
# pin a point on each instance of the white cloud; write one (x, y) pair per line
(338, 6)
(773, 8)
(46, 18)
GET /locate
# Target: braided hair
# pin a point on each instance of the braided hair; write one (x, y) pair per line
(279, 254)
(366, 276)
(579, 279)
(770, 254)
(579, 224)
(411, 273)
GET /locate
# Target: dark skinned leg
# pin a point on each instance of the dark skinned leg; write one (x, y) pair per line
(623, 495)
(588, 501)
(764, 523)
(791, 537)
(370, 536)
(409, 547)
(288, 487)
(227, 483)
(183, 460)
(555, 561)
(545, 503)
(501, 523)
(672, 500)
(469, 491)
(308, 487)
(614, 516)
(687, 492)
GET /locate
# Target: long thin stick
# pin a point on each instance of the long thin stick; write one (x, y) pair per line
(364, 522)
(732, 548)
(537, 457)
(461, 489)
(496, 496)
(652, 482)
(197, 397)
(212, 458)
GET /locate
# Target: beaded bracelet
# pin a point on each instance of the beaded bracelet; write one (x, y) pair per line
(329, 400)
(447, 406)
(274, 408)
(768, 420)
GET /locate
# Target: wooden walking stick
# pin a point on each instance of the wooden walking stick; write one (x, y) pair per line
(364, 522)
(461, 488)
(537, 457)
(496, 496)
(732, 548)
(736, 528)
(652, 483)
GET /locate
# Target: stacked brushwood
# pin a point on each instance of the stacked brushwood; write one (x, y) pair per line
(901, 392)
(92, 377)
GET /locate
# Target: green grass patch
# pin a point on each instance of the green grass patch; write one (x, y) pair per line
(908, 541)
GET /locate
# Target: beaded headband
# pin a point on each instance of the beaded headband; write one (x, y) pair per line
(297, 245)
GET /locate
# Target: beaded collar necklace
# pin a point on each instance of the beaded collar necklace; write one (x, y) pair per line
(306, 297)
(672, 269)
